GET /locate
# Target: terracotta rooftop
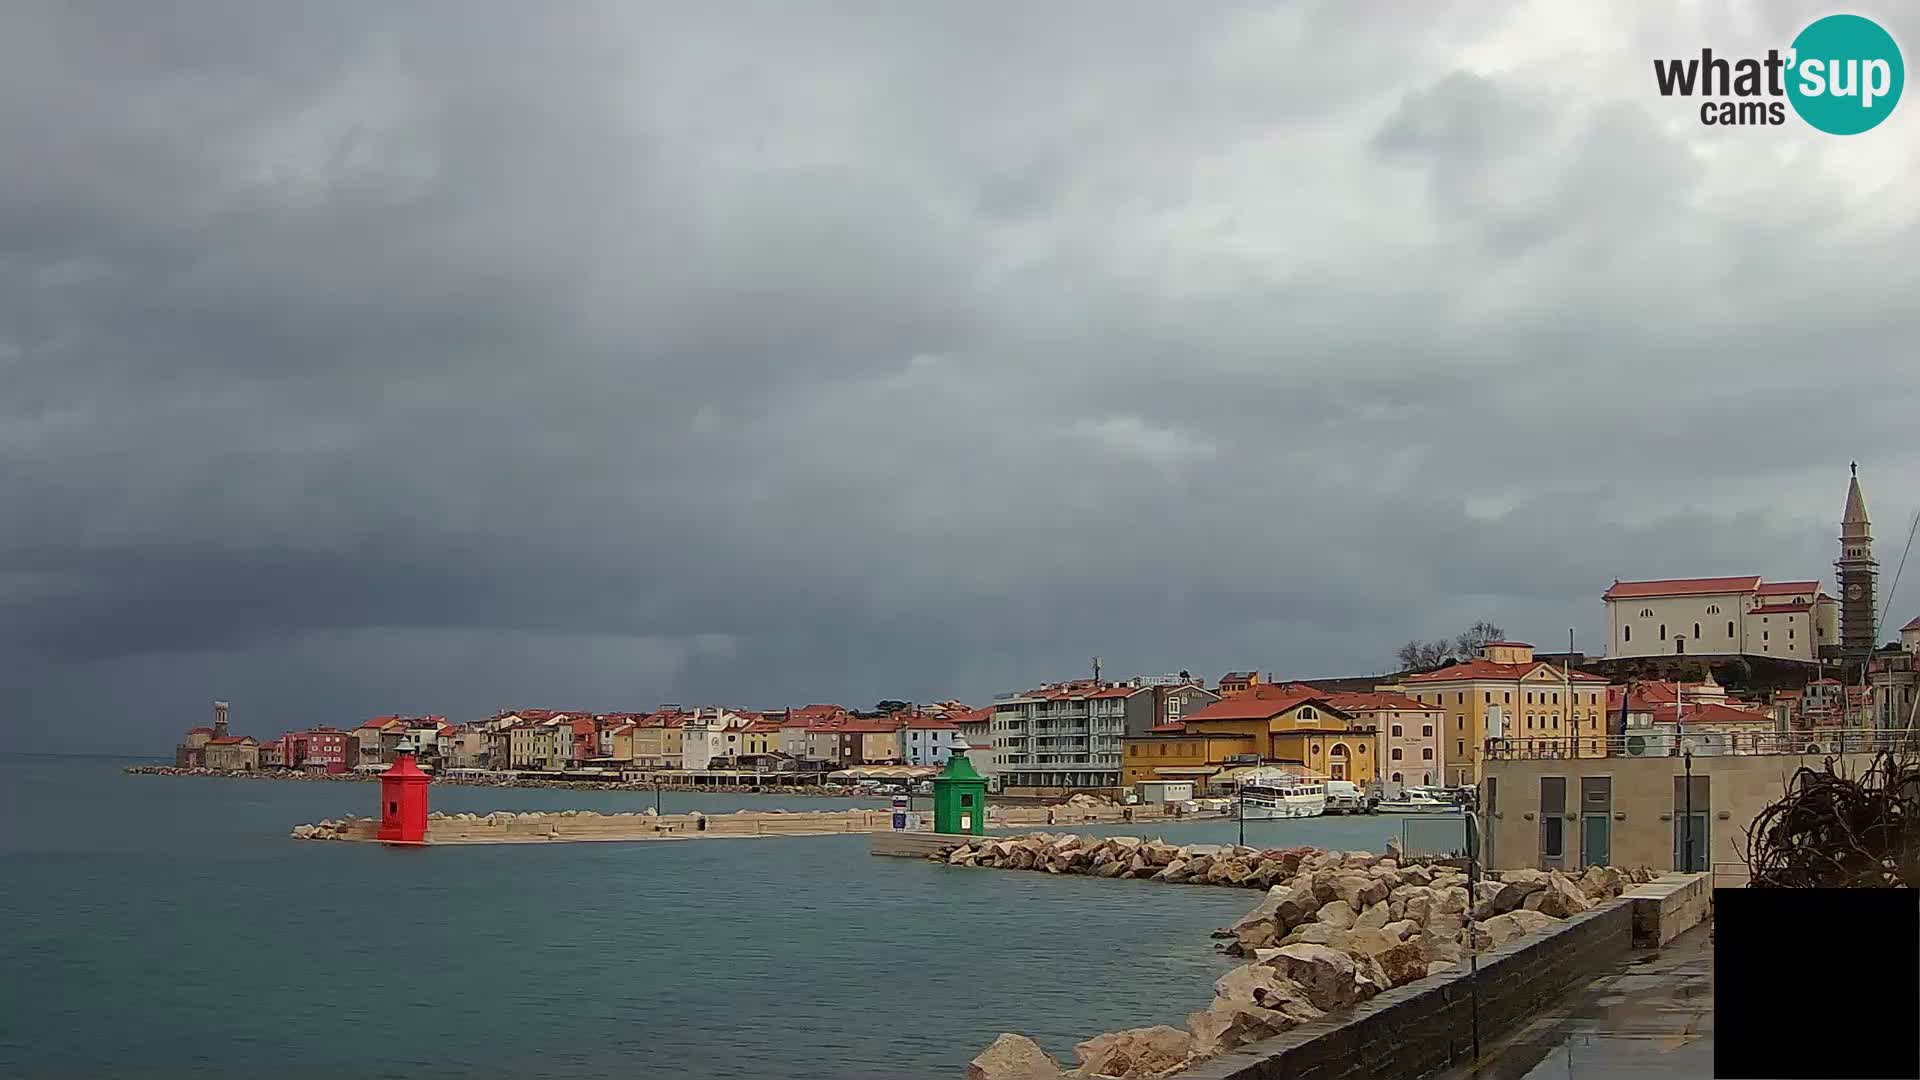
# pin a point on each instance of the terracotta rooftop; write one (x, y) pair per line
(1625, 590)
(1914, 625)
(1487, 669)
(1261, 703)
(1377, 700)
(230, 740)
(1775, 588)
(1707, 714)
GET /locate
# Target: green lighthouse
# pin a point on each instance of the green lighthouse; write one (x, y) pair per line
(960, 798)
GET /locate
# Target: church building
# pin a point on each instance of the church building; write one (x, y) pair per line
(1735, 616)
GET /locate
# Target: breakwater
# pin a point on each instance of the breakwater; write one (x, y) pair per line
(824, 790)
(507, 827)
(1333, 930)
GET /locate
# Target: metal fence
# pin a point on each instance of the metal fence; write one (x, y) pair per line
(1434, 839)
(1665, 743)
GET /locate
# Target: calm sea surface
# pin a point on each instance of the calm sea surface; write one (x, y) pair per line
(158, 926)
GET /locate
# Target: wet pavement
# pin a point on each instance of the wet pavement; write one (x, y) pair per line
(1651, 1018)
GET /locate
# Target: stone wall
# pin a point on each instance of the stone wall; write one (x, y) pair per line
(1642, 828)
(1428, 1025)
(1669, 907)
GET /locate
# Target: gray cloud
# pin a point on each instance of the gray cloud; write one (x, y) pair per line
(387, 359)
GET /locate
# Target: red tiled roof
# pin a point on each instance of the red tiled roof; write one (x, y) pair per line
(763, 727)
(230, 740)
(1487, 669)
(1378, 700)
(1914, 625)
(1623, 590)
(1168, 727)
(973, 716)
(1774, 588)
(1779, 609)
(931, 723)
(209, 731)
(1260, 703)
(1707, 714)
(582, 726)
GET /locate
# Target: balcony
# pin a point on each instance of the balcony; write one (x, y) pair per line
(1663, 742)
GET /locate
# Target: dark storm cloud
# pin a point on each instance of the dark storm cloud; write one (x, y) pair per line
(448, 359)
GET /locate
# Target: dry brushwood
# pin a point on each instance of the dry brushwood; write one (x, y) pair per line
(1832, 831)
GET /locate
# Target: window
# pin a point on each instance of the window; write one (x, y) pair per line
(1696, 631)
(1396, 778)
(1663, 631)
(1789, 633)
(1646, 613)
(1396, 731)
(1506, 697)
(1459, 723)
(1426, 730)
(1460, 748)
(1729, 629)
(1626, 633)
(1763, 635)
(1489, 700)
(1427, 754)
(1556, 698)
(1713, 609)
(1307, 713)
(1395, 755)
(1459, 699)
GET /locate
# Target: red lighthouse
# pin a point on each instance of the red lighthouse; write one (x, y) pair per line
(403, 801)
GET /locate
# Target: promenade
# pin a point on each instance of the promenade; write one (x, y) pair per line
(576, 826)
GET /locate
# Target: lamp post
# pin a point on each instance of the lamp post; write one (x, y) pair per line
(1686, 825)
(1240, 812)
(1472, 821)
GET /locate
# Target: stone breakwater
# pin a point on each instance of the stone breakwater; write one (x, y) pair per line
(534, 826)
(1334, 929)
(831, 791)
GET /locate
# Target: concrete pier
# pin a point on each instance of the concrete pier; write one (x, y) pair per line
(575, 826)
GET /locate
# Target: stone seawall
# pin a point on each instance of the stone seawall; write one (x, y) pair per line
(1418, 1029)
(1334, 932)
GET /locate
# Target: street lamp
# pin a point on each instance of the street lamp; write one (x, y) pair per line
(1686, 824)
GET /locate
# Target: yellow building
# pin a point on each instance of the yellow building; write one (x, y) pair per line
(1506, 693)
(659, 741)
(1265, 724)
(761, 737)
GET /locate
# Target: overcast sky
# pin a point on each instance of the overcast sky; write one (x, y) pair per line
(442, 357)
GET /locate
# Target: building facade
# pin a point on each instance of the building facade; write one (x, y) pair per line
(1728, 616)
(233, 753)
(1289, 725)
(929, 740)
(1062, 737)
(1409, 747)
(1506, 693)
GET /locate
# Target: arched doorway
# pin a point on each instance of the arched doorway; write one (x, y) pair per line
(1337, 761)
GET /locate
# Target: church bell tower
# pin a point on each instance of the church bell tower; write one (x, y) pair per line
(1857, 572)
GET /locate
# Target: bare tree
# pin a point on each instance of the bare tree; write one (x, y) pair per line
(1420, 655)
(1477, 637)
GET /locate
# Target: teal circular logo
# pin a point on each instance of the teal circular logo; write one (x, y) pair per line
(1846, 74)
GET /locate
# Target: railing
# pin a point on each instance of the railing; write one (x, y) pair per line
(1815, 742)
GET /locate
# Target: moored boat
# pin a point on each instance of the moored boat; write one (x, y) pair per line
(1416, 802)
(1272, 796)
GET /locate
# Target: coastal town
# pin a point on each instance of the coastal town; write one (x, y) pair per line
(1706, 666)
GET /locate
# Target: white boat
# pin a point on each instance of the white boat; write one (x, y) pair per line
(1416, 802)
(1277, 795)
(1345, 797)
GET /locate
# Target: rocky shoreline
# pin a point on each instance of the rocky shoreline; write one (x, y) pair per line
(1334, 929)
(828, 791)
